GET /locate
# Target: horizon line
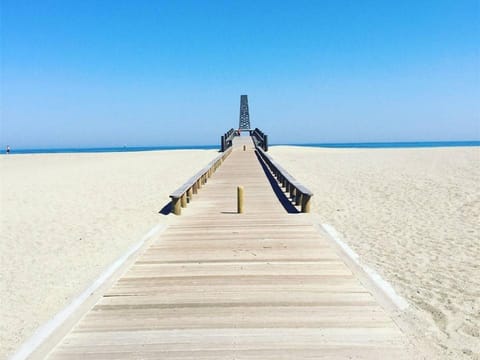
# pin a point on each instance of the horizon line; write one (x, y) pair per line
(214, 146)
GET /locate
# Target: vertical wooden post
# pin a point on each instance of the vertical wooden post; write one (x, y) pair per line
(189, 194)
(240, 199)
(298, 198)
(195, 187)
(293, 192)
(183, 200)
(306, 200)
(176, 209)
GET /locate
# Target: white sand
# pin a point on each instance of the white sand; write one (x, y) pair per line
(414, 216)
(65, 217)
(411, 214)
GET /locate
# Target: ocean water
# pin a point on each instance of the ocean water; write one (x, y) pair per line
(371, 145)
(107, 149)
(387, 145)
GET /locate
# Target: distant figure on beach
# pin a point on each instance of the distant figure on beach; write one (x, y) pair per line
(8, 149)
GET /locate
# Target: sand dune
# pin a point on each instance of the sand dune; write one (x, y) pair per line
(66, 217)
(414, 216)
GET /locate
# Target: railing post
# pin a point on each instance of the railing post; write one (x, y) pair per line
(183, 200)
(293, 192)
(306, 200)
(176, 209)
(298, 198)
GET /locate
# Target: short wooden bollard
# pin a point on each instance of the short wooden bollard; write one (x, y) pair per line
(240, 199)
(244, 147)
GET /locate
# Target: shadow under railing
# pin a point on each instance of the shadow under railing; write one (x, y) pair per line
(281, 195)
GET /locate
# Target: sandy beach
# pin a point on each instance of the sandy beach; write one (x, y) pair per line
(414, 216)
(411, 214)
(66, 217)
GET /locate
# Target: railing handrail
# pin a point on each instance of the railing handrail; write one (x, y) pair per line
(230, 134)
(226, 139)
(184, 193)
(260, 139)
(299, 192)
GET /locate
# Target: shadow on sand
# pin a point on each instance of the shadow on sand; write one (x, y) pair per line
(167, 209)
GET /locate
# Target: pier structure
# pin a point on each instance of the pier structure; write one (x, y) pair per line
(218, 284)
(244, 122)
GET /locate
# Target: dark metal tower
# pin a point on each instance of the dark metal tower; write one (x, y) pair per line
(244, 123)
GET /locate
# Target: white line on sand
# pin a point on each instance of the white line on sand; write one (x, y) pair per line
(44, 331)
(384, 285)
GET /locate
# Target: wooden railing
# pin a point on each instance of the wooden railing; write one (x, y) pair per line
(298, 193)
(226, 139)
(184, 194)
(260, 139)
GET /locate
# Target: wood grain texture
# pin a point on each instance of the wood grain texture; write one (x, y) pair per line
(222, 285)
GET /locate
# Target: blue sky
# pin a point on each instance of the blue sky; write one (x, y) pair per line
(109, 73)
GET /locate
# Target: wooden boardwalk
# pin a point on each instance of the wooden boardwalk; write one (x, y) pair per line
(221, 285)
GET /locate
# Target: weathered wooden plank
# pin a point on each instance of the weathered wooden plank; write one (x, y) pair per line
(234, 296)
(226, 315)
(203, 339)
(228, 269)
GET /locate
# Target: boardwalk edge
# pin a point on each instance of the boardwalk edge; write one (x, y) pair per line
(43, 333)
(374, 277)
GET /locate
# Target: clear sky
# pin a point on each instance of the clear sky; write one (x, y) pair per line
(109, 73)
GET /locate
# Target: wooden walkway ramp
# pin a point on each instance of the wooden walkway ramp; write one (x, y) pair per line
(221, 285)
